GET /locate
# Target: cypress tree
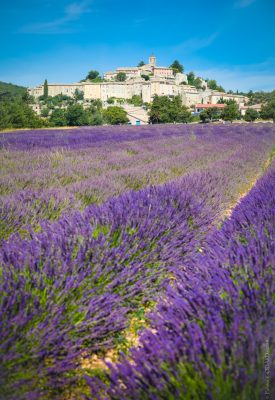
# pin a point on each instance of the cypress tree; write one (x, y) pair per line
(46, 89)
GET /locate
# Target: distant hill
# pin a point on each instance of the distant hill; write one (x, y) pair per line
(10, 90)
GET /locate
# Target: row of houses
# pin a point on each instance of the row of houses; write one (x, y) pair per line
(161, 81)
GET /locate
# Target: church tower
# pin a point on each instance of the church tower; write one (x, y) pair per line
(153, 60)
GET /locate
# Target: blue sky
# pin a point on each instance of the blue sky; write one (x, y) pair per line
(232, 41)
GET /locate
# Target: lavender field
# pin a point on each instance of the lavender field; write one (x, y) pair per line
(137, 262)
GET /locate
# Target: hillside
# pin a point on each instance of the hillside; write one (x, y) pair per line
(11, 89)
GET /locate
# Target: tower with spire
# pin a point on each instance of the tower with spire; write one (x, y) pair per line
(153, 60)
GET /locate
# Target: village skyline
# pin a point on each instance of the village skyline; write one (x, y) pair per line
(231, 41)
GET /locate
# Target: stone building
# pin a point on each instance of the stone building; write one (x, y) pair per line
(161, 81)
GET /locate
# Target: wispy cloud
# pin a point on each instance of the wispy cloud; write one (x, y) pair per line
(243, 3)
(259, 76)
(72, 12)
(196, 43)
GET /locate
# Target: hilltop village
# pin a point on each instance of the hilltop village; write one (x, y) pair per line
(146, 81)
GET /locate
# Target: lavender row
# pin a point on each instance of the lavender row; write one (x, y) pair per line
(212, 336)
(68, 291)
(48, 183)
(82, 138)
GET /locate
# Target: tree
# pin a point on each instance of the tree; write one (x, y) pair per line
(204, 116)
(78, 95)
(136, 100)
(45, 112)
(58, 117)
(27, 98)
(141, 63)
(212, 84)
(93, 74)
(121, 77)
(115, 115)
(145, 77)
(17, 114)
(190, 78)
(5, 119)
(177, 67)
(46, 89)
(268, 111)
(260, 97)
(209, 114)
(97, 103)
(76, 116)
(197, 83)
(94, 115)
(110, 100)
(230, 112)
(251, 115)
(165, 110)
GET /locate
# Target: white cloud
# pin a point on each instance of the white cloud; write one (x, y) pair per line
(60, 25)
(244, 77)
(243, 3)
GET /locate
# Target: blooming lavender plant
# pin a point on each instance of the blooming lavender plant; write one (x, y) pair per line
(207, 335)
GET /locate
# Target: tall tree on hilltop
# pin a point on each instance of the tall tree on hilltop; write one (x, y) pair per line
(93, 74)
(141, 63)
(46, 89)
(177, 67)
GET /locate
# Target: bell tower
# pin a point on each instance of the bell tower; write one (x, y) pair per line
(153, 60)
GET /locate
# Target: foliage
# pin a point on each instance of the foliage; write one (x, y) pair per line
(115, 115)
(111, 100)
(230, 112)
(76, 115)
(268, 111)
(165, 110)
(9, 91)
(210, 113)
(212, 84)
(45, 112)
(177, 67)
(145, 77)
(58, 117)
(141, 63)
(78, 95)
(45, 89)
(97, 103)
(17, 114)
(194, 81)
(92, 75)
(251, 115)
(94, 115)
(136, 100)
(226, 101)
(260, 97)
(121, 77)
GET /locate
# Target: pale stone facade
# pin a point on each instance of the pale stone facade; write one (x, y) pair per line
(162, 82)
(216, 96)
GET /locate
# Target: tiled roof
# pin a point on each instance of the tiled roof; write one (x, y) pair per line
(210, 105)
